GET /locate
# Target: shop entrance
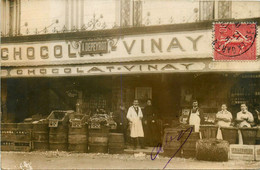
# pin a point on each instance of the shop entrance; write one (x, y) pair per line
(23, 97)
(26, 97)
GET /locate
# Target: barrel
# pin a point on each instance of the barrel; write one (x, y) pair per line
(8, 136)
(77, 139)
(208, 131)
(40, 136)
(23, 141)
(170, 143)
(116, 143)
(258, 136)
(212, 150)
(58, 138)
(249, 135)
(98, 140)
(189, 144)
(189, 140)
(230, 134)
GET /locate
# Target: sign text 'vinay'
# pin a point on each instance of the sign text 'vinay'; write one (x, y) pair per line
(164, 45)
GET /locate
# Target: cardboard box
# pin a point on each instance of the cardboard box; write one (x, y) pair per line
(257, 152)
(242, 152)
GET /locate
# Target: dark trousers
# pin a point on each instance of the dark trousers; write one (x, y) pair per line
(136, 140)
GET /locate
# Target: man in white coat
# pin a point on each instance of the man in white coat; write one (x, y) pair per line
(135, 115)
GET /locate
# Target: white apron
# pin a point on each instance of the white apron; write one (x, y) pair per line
(136, 127)
(195, 120)
(221, 124)
(219, 133)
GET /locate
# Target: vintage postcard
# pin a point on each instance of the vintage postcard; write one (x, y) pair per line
(130, 84)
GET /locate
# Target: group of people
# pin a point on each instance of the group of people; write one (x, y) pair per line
(244, 118)
(142, 123)
(224, 118)
(144, 128)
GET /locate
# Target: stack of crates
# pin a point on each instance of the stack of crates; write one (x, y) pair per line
(8, 136)
(16, 137)
(23, 137)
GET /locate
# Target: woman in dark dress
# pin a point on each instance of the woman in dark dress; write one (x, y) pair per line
(150, 121)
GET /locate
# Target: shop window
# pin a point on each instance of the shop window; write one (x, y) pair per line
(143, 94)
(130, 13)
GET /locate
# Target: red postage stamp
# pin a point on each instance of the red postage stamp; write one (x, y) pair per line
(234, 41)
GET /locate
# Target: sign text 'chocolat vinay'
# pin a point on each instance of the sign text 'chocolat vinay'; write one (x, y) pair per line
(164, 45)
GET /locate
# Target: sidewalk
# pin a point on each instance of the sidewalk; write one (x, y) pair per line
(67, 160)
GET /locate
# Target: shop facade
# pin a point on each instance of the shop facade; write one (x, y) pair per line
(172, 65)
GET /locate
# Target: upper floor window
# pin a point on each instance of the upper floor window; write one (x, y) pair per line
(210, 10)
(24, 17)
(130, 13)
(10, 17)
(224, 9)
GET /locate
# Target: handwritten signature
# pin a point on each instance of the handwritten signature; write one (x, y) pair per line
(178, 136)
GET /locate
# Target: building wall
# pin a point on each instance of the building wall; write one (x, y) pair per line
(49, 16)
(245, 9)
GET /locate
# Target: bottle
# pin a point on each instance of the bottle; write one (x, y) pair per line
(78, 107)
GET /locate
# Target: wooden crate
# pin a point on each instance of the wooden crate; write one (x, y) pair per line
(58, 117)
(23, 135)
(8, 131)
(7, 145)
(77, 120)
(257, 152)
(242, 152)
(9, 135)
(23, 146)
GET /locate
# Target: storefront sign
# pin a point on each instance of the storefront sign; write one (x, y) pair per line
(101, 69)
(151, 67)
(93, 47)
(171, 45)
